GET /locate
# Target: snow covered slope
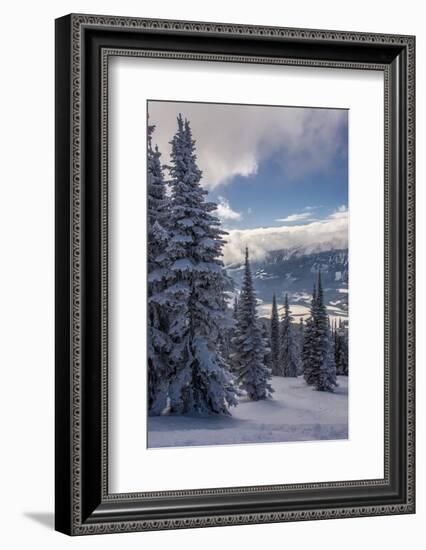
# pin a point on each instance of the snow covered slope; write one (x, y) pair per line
(295, 413)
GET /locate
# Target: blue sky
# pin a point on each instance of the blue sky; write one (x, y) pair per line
(278, 174)
(270, 195)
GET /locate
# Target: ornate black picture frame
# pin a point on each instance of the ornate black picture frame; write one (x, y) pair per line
(83, 46)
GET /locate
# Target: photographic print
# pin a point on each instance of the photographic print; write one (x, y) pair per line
(212, 313)
(248, 285)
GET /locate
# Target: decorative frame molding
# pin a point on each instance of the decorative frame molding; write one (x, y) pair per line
(84, 44)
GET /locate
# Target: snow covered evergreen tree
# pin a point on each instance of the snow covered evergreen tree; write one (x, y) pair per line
(331, 340)
(248, 344)
(319, 367)
(158, 339)
(335, 337)
(275, 338)
(226, 334)
(266, 345)
(323, 350)
(234, 324)
(299, 340)
(288, 346)
(235, 308)
(344, 354)
(200, 381)
(341, 350)
(310, 368)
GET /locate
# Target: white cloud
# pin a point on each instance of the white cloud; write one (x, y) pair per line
(327, 233)
(224, 210)
(303, 216)
(234, 139)
(340, 213)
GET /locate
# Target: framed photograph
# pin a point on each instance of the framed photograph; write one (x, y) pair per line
(234, 274)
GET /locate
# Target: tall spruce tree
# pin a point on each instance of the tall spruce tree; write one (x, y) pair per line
(158, 339)
(310, 368)
(226, 332)
(248, 358)
(335, 343)
(323, 350)
(233, 332)
(235, 308)
(331, 341)
(344, 354)
(341, 350)
(336, 346)
(266, 345)
(200, 381)
(345, 336)
(275, 338)
(300, 337)
(288, 346)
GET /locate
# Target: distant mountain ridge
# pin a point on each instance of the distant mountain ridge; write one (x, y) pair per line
(294, 271)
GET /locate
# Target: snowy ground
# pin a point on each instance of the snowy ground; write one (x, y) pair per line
(295, 413)
(334, 309)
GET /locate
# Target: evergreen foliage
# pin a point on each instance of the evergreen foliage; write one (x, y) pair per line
(200, 380)
(235, 308)
(266, 345)
(275, 339)
(323, 351)
(341, 350)
(158, 339)
(288, 346)
(299, 342)
(226, 334)
(319, 367)
(248, 343)
(308, 359)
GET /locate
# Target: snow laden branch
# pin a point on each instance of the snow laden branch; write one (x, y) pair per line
(319, 367)
(197, 379)
(288, 348)
(248, 344)
(159, 343)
